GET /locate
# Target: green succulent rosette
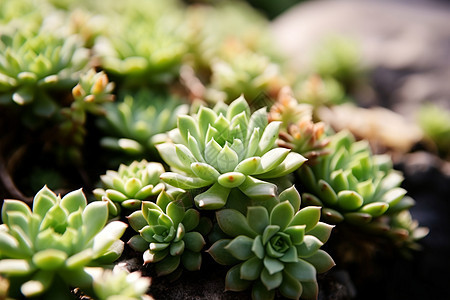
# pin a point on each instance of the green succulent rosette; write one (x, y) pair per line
(34, 61)
(274, 250)
(137, 122)
(45, 250)
(226, 148)
(167, 235)
(353, 185)
(152, 51)
(118, 283)
(241, 71)
(130, 185)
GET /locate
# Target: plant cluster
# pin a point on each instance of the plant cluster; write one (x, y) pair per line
(202, 147)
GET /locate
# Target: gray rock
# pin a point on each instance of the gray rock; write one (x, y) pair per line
(405, 44)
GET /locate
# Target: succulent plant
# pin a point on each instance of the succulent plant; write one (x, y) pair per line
(405, 232)
(118, 283)
(226, 148)
(33, 61)
(53, 242)
(320, 91)
(137, 122)
(130, 185)
(434, 123)
(298, 131)
(167, 235)
(352, 184)
(277, 249)
(240, 71)
(89, 94)
(155, 58)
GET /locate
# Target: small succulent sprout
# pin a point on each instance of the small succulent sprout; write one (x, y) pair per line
(352, 184)
(227, 148)
(273, 250)
(118, 283)
(406, 232)
(298, 131)
(167, 235)
(130, 185)
(92, 90)
(137, 122)
(55, 240)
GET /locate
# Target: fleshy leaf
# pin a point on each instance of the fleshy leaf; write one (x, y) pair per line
(269, 137)
(167, 265)
(291, 194)
(290, 288)
(257, 218)
(231, 179)
(251, 269)
(194, 241)
(227, 159)
(187, 124)
(249, 165)
(273, 265)
(255, 188)
(240, 247)
(49, 259)
(301, 270)
(233, 281)
(271, 281)
(321, 260)
(234, 223)
(192, 261)
(322, 231)
(214, 198)
(375, 209)
(282, 214)
(309, 246)
(183, 182)
(205, 171)
(220, 255)
(349, 200)
(74, 200)
(95, 216)
(308, 216)
(271, 160)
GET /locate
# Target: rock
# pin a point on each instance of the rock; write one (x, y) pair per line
(405, 44)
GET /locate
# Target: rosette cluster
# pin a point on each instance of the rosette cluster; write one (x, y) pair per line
(130, 185)
(54, 242)
(34, 61)
(138, 121)
(227, 147)
(274, 249)
(352, 184)
(167, 235)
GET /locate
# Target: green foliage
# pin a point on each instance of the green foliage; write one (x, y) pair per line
(167, 235)
(227, 148)
(435, 124)
(130, 185)
(357, 187)
(34, 61)
(55, 241)
(273, 249)
(138, 122)
(119, 284)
